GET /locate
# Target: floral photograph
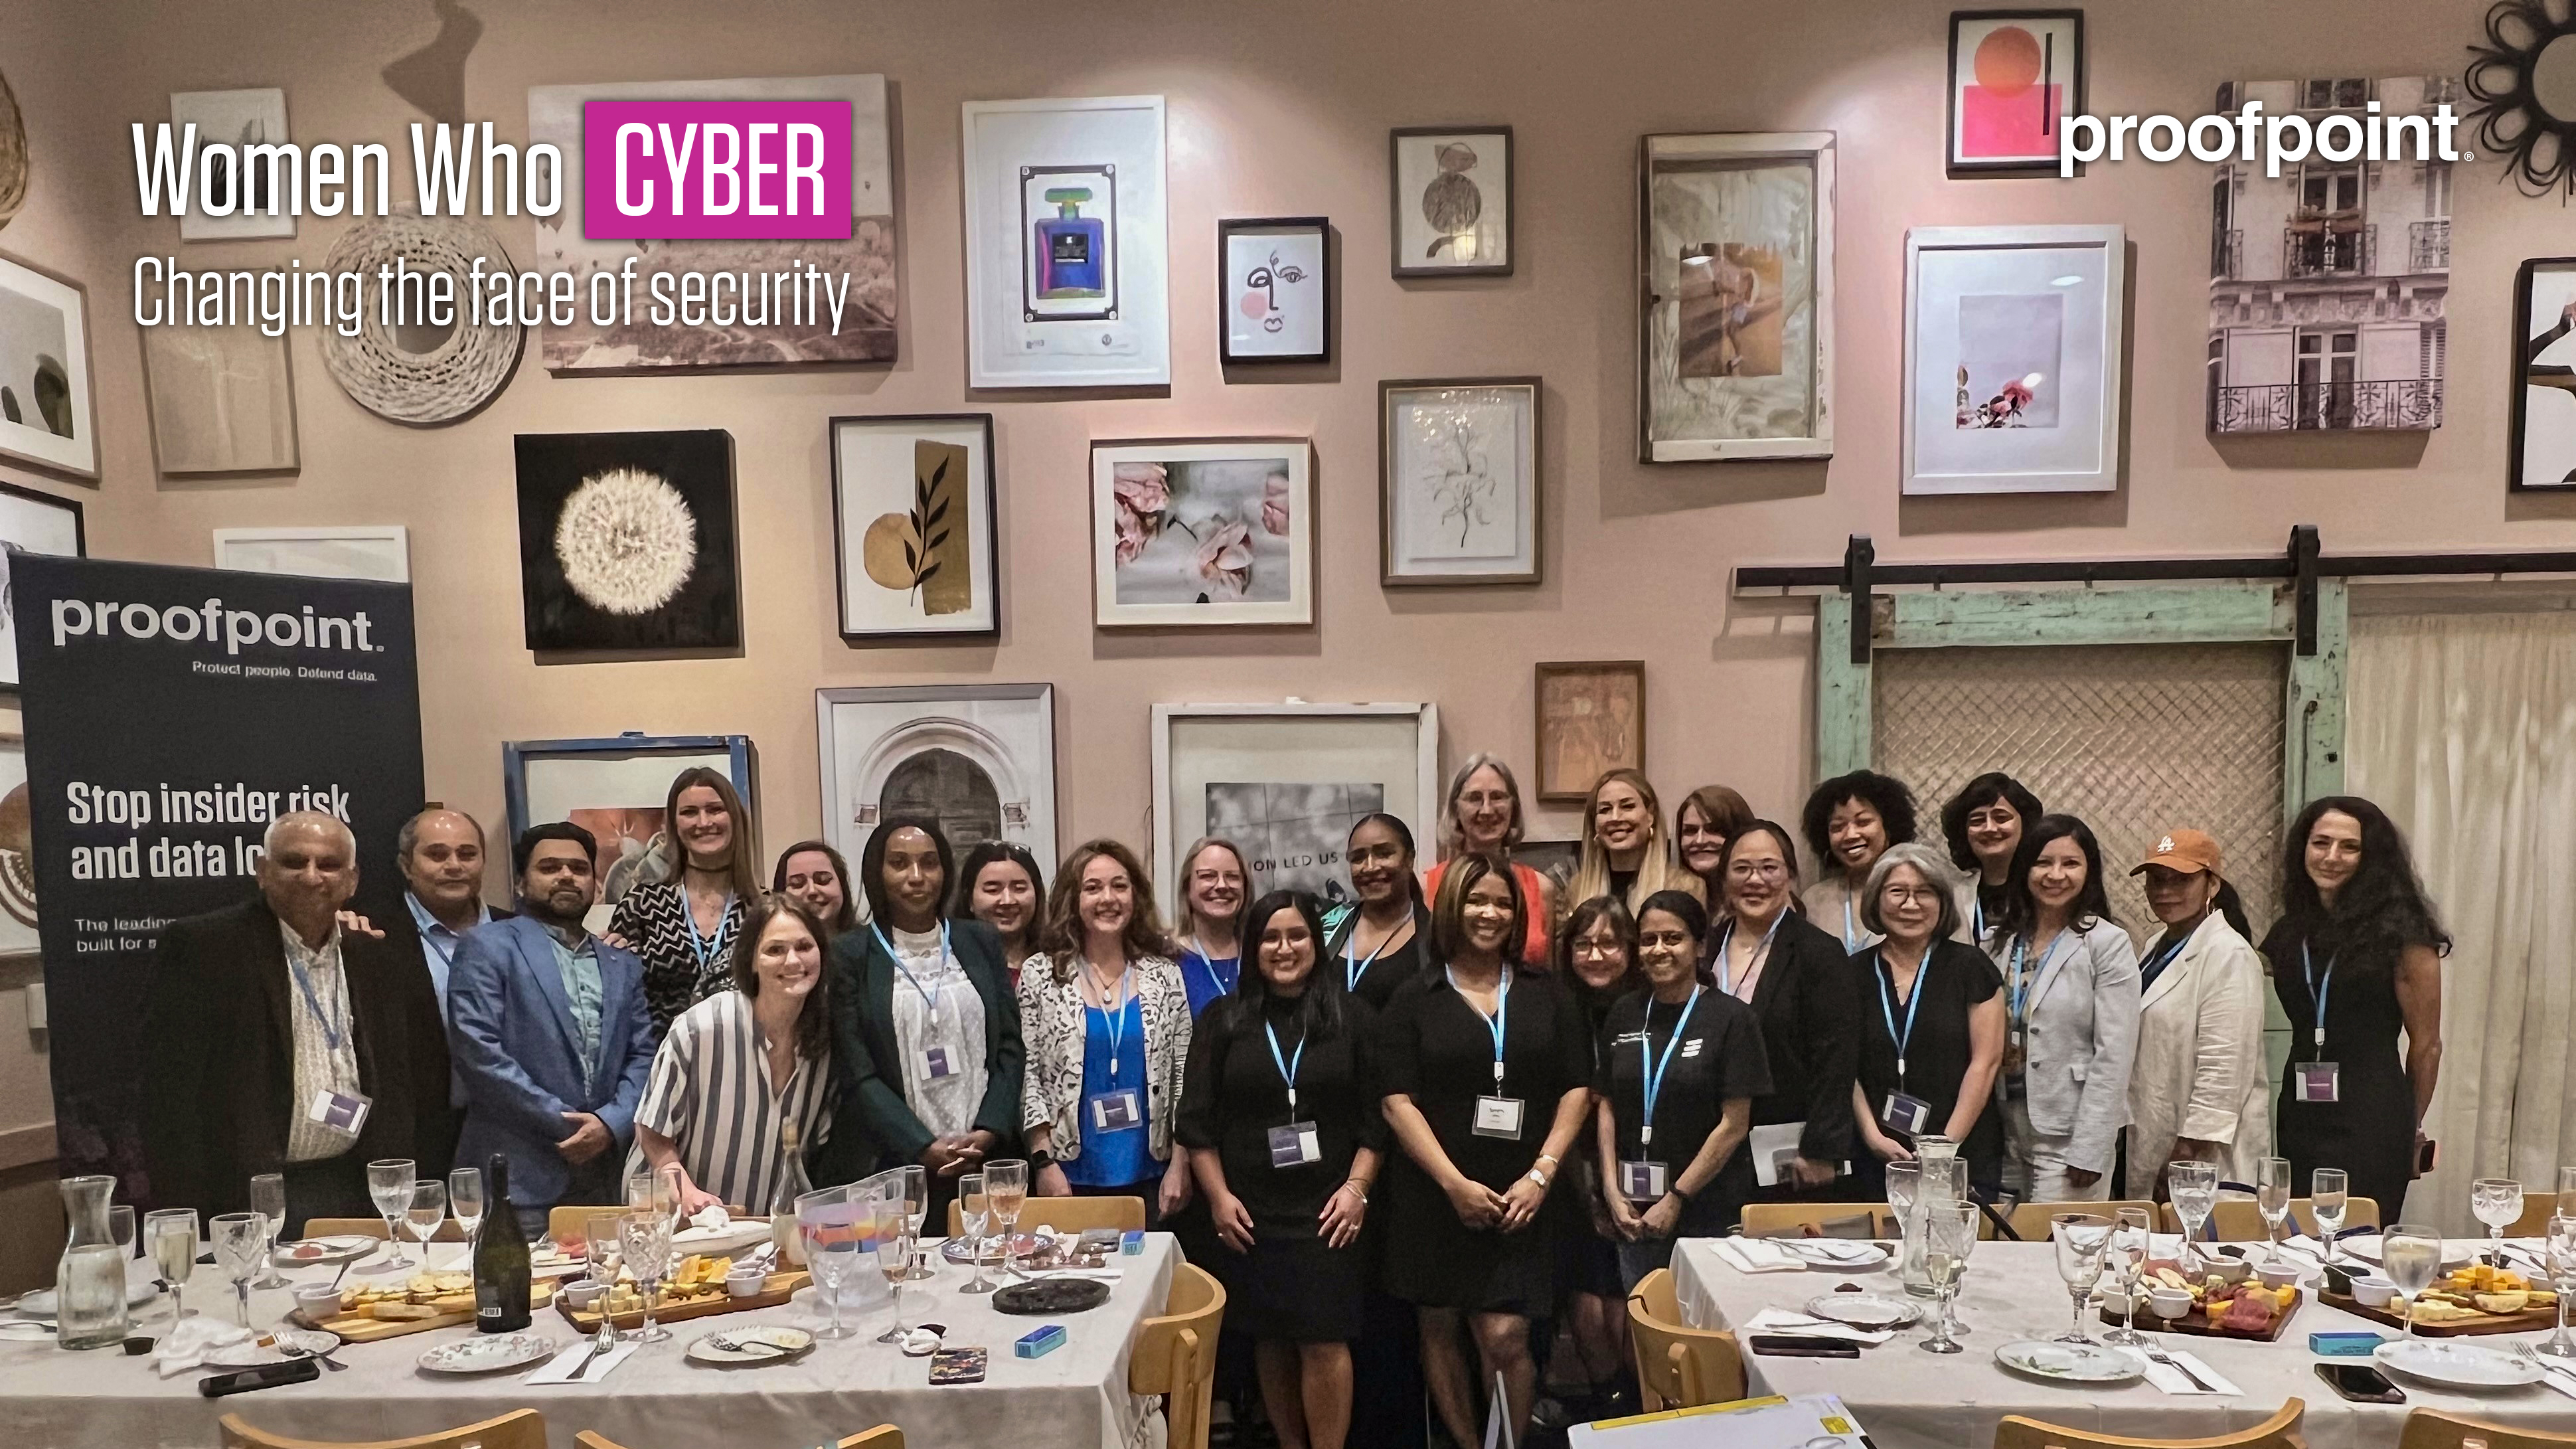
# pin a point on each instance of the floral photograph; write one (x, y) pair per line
(626, 541)
(1197, 533)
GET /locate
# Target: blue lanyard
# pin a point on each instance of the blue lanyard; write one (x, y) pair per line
(1493, 1023)
(927, 999)
(708, 947)
(2164, 958)
(1655, 1070)
(1887, 1007)
(1353, 969)
(1288, 1065)
(1851, 938)
(1976, 915)
(1207, 963)
(1115, 1022)
(2317, 990)
(2023, 982)
(1761, 954)
(330, 1034)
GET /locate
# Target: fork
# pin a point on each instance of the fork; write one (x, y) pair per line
(2178, 1366)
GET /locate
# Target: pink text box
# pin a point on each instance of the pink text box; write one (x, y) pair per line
(744, 170)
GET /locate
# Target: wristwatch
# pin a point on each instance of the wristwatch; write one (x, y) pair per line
(1039, 1159)
(1538, 1177)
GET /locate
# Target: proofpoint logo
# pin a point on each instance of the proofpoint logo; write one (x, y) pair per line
(211, 623)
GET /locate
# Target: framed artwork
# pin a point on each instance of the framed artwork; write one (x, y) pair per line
(615, 788)
(46, 416)
(2544, 370)
(222, 400)
(1555, 859)
(1285, 783)
(856, 326)
(2015, 76)
(912, 516)
(17, 851)
(1736, 273)
(360, 551)
(1591, 719)
(1067, 259)
(1274, 290)
(2013, 346)
(978, 758)
(1452, 201)
(1458, 481)
(626, 540)
(235, 119)
(1203, 532)
(34, 523)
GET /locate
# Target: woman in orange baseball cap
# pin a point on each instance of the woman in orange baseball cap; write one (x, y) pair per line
(2199, 1088)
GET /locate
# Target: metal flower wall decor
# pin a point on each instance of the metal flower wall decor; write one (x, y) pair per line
(2524, 80)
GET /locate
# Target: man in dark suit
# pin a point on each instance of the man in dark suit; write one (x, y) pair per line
(259, 1016)
(549, 1031)
(440, 854)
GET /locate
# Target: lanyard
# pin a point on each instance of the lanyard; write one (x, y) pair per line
(708, 948)
(1493, 1023)
(2164, 958)
(927, 998)
(1207, 963)
(2317, 990)
(1976, 915)
(1887, 1007)
(1287, 1065)
(1753, 968)
(2022, 982)
(1655, 1070)
(304, 983)
(1352, 968)
(1115, 1021)
(1851, 938)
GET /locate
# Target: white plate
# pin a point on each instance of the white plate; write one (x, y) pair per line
(488, 1353)
(760, 1343)
(39, 1305)
(2456, 1364)
(1839, 1255)
(340, 1248)
(2070, 1363)
(1873, 1311)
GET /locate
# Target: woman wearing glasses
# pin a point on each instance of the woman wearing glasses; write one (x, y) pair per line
(1798, 982)
(1483, 816)
(1932, 1025)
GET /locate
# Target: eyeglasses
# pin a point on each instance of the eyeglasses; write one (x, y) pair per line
(1595, 950)
(1756, 870)
(1910, 895)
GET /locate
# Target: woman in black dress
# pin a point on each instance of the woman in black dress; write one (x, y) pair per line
(1483, 1067)
(1284, 1132)
(1596, 958)
(1983, 825)
(1675, 1106)
(1932, 1026)
(1378, 947)
(1764, 953)
(2356, 933)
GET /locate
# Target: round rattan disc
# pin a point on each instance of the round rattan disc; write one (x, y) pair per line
(13, 155)
(451, 380)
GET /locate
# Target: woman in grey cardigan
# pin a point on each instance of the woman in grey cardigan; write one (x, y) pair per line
(2071, 1034)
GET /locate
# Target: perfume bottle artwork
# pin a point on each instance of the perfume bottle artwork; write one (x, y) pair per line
(1070, 248)
(1071, 215)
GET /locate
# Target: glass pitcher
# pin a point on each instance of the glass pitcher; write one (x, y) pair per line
(1942, 1183)
(89, 1280)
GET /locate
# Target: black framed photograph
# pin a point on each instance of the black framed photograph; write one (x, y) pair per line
(2544, 369)
(1452, 201)
(912, 520)
(2015, 76)
(626, 541)
(1274, 290)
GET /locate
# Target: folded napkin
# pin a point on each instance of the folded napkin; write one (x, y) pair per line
(2174, 1381)
(1842, 1251)
(1757, 1255)
(712, 1217)
(1781, 1320)
(2561, 1379)
(559, 1369)
(195, 1343)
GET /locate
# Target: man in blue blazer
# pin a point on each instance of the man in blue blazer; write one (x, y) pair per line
(548, 1031)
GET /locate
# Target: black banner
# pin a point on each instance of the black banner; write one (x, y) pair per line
(170, 714)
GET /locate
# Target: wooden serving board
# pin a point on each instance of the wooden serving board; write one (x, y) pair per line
(778, 1290)
(2526, 1321)
(453, 1309)
(2196, 1324)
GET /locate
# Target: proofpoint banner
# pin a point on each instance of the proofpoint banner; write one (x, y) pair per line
(170, 714)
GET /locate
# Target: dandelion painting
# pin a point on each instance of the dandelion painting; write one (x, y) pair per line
(1459, 481)
(913, 501)
(1203, 532)
(626, 541)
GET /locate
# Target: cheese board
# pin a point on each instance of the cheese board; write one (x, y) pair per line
(775, 1290)
(2226, 1302)
(2474, 1300)
(2196, 1323)
(428, 1301)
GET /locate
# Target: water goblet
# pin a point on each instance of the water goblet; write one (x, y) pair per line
(2131, 1243)
(2411, 1254)
(2081, 1239)
(974, 1216)
(2562, 1276)
(427, 1214)
(2326, 1191)
(645, 1238)
(2566, 1192)
(465, 1200)
(2496, 1202)
(1950, 1234)
(268, 1199)
(2272, 1195)
(916, 1200)
(892, 1227)
(2193, 1188)
(238, 1238)
(600, 1243)
(389, 1181)
(171, 1236)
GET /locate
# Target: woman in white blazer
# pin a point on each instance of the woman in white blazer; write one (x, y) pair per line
(2201, 1088)
(2071, 1025)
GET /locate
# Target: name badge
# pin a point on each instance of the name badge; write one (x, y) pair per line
(1295, 1145)
(1498, 1117)
(937, 1063)
(1645, 1182)
(2317, 1082)
(1905, 1114)
(341, 1112)
(1116, 1112)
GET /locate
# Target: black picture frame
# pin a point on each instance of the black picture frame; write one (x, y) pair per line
(1959, 170)
(634, 601)
(2518, 386)
(1226, 231)
(986, 547)
(1398, 264)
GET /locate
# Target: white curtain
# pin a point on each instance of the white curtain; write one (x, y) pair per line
(2463, 728)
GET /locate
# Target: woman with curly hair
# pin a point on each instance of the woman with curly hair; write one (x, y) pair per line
(1849, 822)
(1983, 824)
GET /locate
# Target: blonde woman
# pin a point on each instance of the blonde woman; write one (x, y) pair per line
(1483, 817)
(1214, 880)
(1625, 852)
(683, 929)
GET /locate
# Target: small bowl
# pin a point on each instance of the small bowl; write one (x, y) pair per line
(2280, 1275)
(745, 1283)
(2169, 1302)
(2373, 1291)
(2225, 1270)
(317, 1303)
(581, 1296)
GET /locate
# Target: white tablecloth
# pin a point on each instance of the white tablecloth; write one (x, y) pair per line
(1909, 1399)
(1073, 1398)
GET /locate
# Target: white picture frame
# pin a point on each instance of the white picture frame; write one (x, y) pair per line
(1203, 532)
(1441, 442)
(32, 522)
(1102, 316)
(2014, 348)
(236, 119)
(44, 346)
(354, 551)
(1000, 734)
(1392, 746)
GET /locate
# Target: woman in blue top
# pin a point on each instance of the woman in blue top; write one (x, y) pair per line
(1213, 878)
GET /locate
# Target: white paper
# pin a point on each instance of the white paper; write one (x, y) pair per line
(1757, 1255)
(559, 1369)
(2175, 1381)
(1781, 1320)
(1757, 1424)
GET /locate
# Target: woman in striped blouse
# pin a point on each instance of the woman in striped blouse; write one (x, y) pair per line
(742, 1066)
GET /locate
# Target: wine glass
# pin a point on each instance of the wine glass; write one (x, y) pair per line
(2411, 1254)
(2272, 1194)
(657, 1192)
(2131, 1243)
(824, 1218)
(1007, 1184)
(2326, 1187)
(1950, 1234)
(2562, 1276)
(465, 1200)
(974, 1216)
(600, 1233)
(238, 1239)
(427, 1213)
(892, 1227)
(916, 1200)
(268, 1199)
(2567, 1192)
(645, 1237)
(171, 1235)
(2193, 1188)
(2496, 1202)
(389, 1183)
(2081, 1240)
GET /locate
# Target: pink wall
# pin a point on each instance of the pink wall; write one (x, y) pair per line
(1283, 108)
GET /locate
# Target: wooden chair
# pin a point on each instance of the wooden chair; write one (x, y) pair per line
(2281, 1431)
(1176, 1353)
(2238, 1220)
(2433, 1429)
(518, 1429)
(883, 1436)
(450, 1231)
(1794, 1219)
(1678, 1367)
(1069, 1214)
(2034, 1220)
(2537, 1209)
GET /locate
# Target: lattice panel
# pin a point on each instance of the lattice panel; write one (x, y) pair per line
(2131, 738)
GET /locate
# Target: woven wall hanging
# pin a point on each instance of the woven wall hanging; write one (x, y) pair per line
(445, 383)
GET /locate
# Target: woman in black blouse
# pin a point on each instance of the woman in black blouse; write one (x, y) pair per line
(1378, 947)
(1484, 1072)
(1932, 1026)
(682, 929)
(1285, 1136)
(1983, 824)
(1596, 958)
(1796, 978)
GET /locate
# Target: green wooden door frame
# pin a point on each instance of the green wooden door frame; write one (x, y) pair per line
(2215, 613)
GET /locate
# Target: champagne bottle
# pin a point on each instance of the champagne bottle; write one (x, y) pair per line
(500, 1258)
(792, 1184)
